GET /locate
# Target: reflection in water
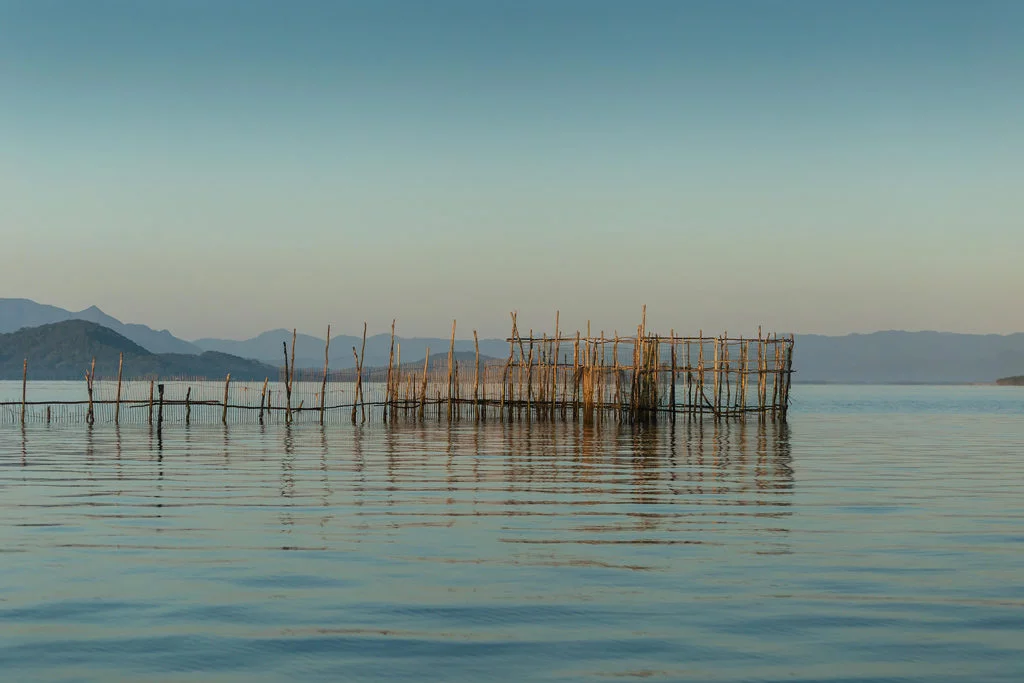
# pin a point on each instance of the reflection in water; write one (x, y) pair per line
(503, 550)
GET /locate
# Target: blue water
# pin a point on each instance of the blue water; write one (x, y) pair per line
(878, 537)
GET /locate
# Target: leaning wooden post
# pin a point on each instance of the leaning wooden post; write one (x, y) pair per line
(263, 397)
(476, 377)
(672, 386)
(90, 416)
(397, 380)
(362, 356)
(24, 388)
(451, 358)
(323, 385)
(117, 404)
(224, 415)
(160, 408)
(423, 387)
(554, 374)
(188, 406)
(151, 402)
(287, 386)
(391, 361)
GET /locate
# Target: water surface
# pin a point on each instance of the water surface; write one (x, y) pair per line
(878, 537)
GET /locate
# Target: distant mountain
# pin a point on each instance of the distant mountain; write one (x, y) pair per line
(907, 357)
(16, 314)
(64, 350)
(1017, 381)
(309, 350)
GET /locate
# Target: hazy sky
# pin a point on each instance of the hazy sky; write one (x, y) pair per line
(220, 168)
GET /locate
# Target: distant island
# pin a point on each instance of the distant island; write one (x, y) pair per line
(1017, 381)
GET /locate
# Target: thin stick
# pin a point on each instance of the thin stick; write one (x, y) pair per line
(160, 409)
(287, 386)
(24, 388)
(151, 402)
(263, 397)
(224, 415)
(423, 387)
(117, 406)
(188, 406)
(476, 377)
(451, 387)
(323, 384)
(391, 360)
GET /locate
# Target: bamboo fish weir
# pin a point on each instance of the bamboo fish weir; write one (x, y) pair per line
(578, 376)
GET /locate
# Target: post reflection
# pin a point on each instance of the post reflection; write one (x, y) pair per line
(550, 492)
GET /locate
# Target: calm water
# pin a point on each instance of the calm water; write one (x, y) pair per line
(878, 537)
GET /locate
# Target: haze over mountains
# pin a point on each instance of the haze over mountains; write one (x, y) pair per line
(879, 357)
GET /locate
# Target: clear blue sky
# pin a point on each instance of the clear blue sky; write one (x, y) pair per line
(221, 168)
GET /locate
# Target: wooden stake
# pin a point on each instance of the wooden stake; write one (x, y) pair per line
(227, 383)
(451, 386)
(188, 406)
(160, 408)
(150, 402)
(117, 405)
(323, 384)
(391, 360)
(90, 416)
(24, 388)
(287, 385)
(423, 387)
(476, 376)
(263, 397)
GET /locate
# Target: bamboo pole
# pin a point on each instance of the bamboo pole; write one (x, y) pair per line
(24, 388)
(160, 409)
(476, 376)
(398, 379)
(287, 386)
(554, 374)
(150, 402)
(188, 406)
(227, 384)
(359, 379)
(576, 377)
(451, 386)
(423, 387)
(90, 416)
(672, 386)
(117, 405)
(263, 397)
(387, 383)
(323, 384)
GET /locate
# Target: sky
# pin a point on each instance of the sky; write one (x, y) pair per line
(223, 168)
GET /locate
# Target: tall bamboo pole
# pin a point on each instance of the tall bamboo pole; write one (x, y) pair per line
(672, 387)
(90, 416)
(287, 385)
(323, 384)
(24, 388)
(554, 374)
(224, 414)
(160, 409)
(188, 406)
(117, 404)
(451, 386)
(151, 402)
(476, 376)
(263, 397)
(423, 387)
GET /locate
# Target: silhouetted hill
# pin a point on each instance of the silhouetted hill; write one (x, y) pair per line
(309, 350)
(64, 350)
(1017, 381)
(16, 314)
(907, 357)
